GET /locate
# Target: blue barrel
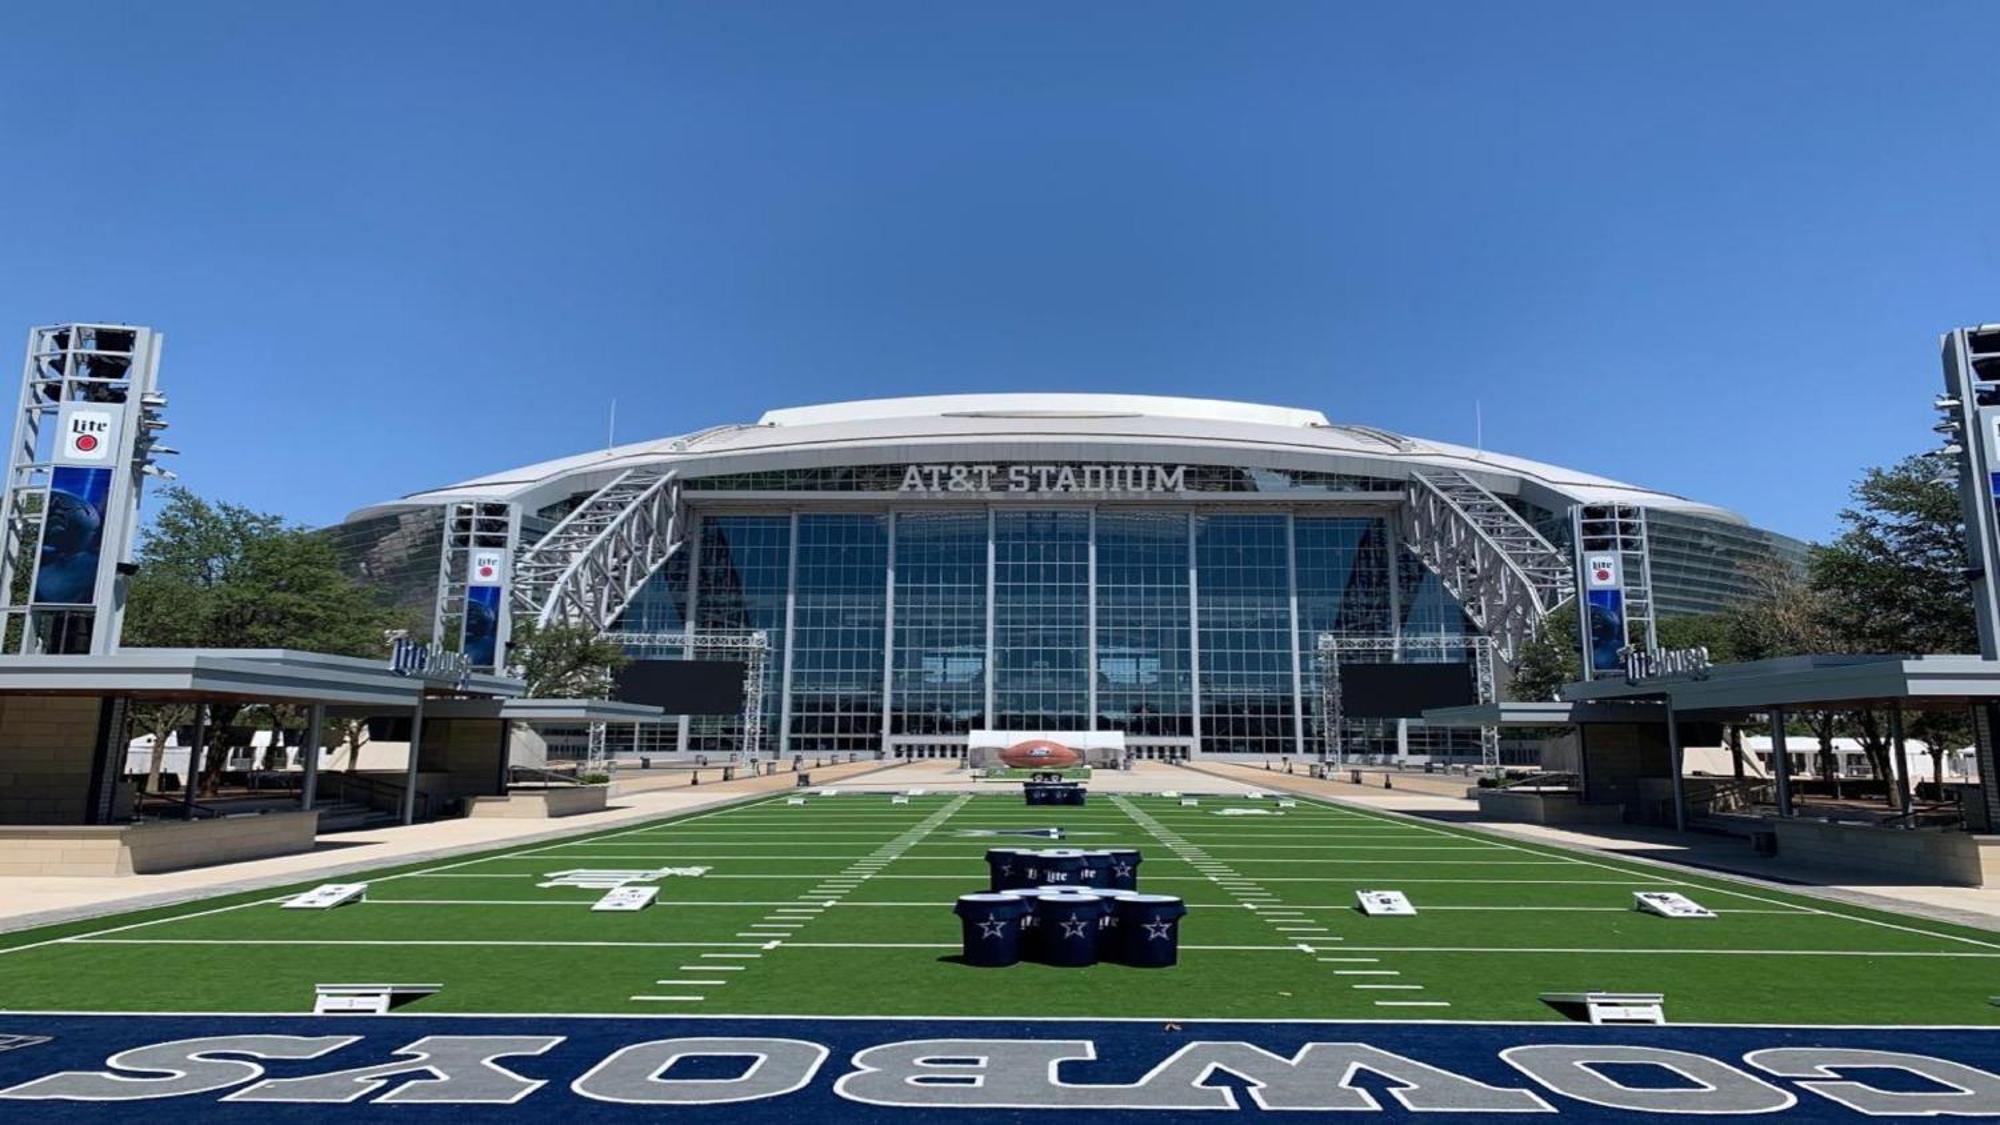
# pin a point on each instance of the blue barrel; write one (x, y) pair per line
(1110, 939)
(1005, 868)
(1061, 867)
(1122, 868)
(1150, 929)
(1067, 926)
(990, 927)
(1097, 868)
(1030, 929)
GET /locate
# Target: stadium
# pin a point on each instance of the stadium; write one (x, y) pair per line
(1162, 567)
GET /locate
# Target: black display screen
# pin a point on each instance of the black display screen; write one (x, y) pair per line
(682, 687)
(1404, 691)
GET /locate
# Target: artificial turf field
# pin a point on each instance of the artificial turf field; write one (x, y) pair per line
(842, 907)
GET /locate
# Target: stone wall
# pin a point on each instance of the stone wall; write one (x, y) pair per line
(539, 803)
(1920, 856)
(46, 746)
(144, 849)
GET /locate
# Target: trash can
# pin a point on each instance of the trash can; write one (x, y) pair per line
(1109, 937)
(990, 927)
(1006, 869)
(1067, 926)
(803, 781)
(1031, 938)
(1059, 867)
(1096, 868)
(1121, 869)
(1150, 929)
(729, 773)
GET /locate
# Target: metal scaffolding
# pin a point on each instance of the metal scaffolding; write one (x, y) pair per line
(754, 645)
(1332, 649)
(1499, 568)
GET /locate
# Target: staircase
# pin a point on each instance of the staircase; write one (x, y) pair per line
(589, 566)
(1501, 570)
(349, 816)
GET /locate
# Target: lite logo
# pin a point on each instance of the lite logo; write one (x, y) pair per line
(484, 569)
(1601, 571)
(87, 436)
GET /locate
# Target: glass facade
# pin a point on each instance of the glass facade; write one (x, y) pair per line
(1185, 630)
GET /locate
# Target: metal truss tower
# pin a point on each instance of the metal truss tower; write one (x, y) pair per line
(1331, 650)
(470, 527)
(1620, 530)
(85, 433)
(1499, 568)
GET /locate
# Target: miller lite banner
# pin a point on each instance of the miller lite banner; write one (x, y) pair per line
(485, 581)
(1603, 616)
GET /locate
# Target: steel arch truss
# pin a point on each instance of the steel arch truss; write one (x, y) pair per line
(1505, 575)
(590, 566)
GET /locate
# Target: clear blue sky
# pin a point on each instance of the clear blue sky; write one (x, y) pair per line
(1706, 248)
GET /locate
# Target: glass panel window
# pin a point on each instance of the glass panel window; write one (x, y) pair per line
(839, 612)
(1343, 582)
(1246, 634)
(939, 683)
(744, 563)
(1144, 674)
(1041, 624)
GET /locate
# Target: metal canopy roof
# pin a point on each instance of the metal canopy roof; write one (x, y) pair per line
(1836, 682)
(265, 675)
(1515, 714)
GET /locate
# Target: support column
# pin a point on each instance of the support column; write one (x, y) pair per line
(196, 753)
(315, 728)
(410, 774)
(1736, 751)
(1781, 762)
(1674, 766)
(107, 759)
(888, 643)
(1899, 766)
(1194, 632)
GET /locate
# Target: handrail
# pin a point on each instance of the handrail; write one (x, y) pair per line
(517, 773)
(377, 787)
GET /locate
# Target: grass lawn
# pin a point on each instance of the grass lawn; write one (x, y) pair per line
(842, 906)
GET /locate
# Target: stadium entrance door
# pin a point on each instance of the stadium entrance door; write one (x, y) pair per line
(933, 747)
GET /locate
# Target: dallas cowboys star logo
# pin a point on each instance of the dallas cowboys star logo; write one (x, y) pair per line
(1121, 870)
(1157, 931)
(1068, 931)
(992, 928)
(1006, 869)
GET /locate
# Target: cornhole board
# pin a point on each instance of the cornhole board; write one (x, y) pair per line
(1189, 802)
(1170, 792)
(915, 792)
(627, 898)
(326, 896)
(1288, 804)
(366, 999)
(899, 799)
(1380, 904)
(1610, 1007)
(795, 800)
(1669, 904)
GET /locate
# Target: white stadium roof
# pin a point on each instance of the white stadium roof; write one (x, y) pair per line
(1049, 427)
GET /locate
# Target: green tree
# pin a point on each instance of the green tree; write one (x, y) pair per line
(1894, 579)
(566, 661)
(218, 575)
(1548, 660)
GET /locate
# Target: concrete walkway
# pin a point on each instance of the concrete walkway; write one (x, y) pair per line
(37, 900)
(1707, 852)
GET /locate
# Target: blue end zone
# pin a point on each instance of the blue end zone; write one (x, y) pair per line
(754, 1071)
